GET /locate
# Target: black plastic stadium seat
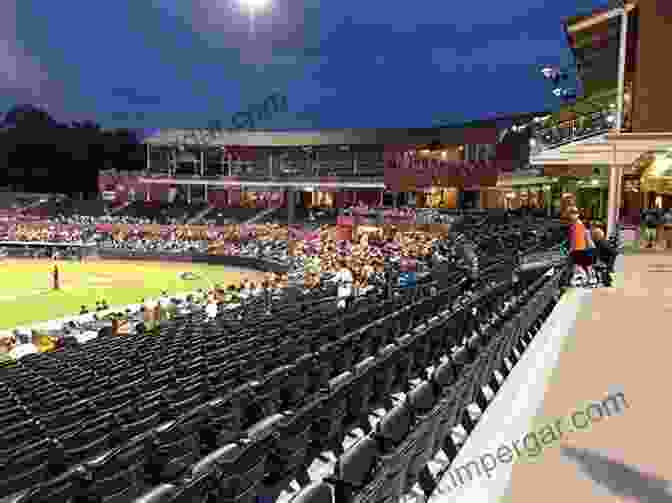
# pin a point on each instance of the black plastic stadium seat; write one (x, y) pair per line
(318, 492)
(163, 493)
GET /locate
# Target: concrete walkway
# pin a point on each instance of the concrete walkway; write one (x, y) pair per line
(620, 343)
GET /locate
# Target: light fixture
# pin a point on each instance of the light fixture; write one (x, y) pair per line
(557, 92)
(444, 154)
(610, 119)
(595, 182)
(547, 72)
(533, 142)
(254, 5)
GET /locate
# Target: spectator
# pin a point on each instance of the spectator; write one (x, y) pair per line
(211, 309)
(650, 224)
(605, 253)
(344, 280)
(578, 247)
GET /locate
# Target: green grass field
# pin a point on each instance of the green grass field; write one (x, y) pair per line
(27, 295)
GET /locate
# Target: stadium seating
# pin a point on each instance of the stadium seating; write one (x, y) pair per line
(161, 212)
(223, 216)
(214, 409)
(237, 409)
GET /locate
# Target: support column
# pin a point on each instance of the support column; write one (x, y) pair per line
(189, 193)
(614, 198)
(202, 163)
(354, 163)
(270, 164)
(149, 156)
(621, 69)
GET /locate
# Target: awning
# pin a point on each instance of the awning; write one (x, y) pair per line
(595, 40)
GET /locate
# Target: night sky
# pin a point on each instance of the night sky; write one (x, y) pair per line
(345, 63)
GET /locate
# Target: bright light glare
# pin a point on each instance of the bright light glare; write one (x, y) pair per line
(254, 5)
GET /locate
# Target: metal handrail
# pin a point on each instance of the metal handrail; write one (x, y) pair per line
(570, 131)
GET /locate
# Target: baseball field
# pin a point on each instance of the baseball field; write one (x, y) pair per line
(27, 295)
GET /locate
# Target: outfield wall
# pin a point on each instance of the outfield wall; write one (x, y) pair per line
(198, 258)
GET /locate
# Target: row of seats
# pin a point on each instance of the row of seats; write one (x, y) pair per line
(222, 216)
(134, 386)
(190, 364)
(386, 462)
(162, 212)
(255, 434)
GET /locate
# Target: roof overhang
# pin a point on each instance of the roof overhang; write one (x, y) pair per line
(319, 185)
(620, 149)
(594, 41)
(583, 22)
(325, 137)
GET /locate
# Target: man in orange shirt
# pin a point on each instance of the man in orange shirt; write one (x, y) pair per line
(579, 246)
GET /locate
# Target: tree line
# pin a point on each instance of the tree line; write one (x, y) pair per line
(40, 154)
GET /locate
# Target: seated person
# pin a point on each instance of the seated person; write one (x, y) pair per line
(605, 253)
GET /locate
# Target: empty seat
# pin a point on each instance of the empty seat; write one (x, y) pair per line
(397, 449)
(357, 474)
(61, 489)
(319, 492)
(118, 474)
(163, 493)
(27, 467)
(328, 431)
(176, 445)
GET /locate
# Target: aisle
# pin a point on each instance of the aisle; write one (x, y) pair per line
(620, 343)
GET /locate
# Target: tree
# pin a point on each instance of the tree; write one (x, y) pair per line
(39, 154)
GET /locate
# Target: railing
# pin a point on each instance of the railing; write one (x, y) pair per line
(570, 131)
(278, 178)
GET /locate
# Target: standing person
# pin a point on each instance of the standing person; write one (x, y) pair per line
(578, 247)
(344, 281)
(57, 284)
